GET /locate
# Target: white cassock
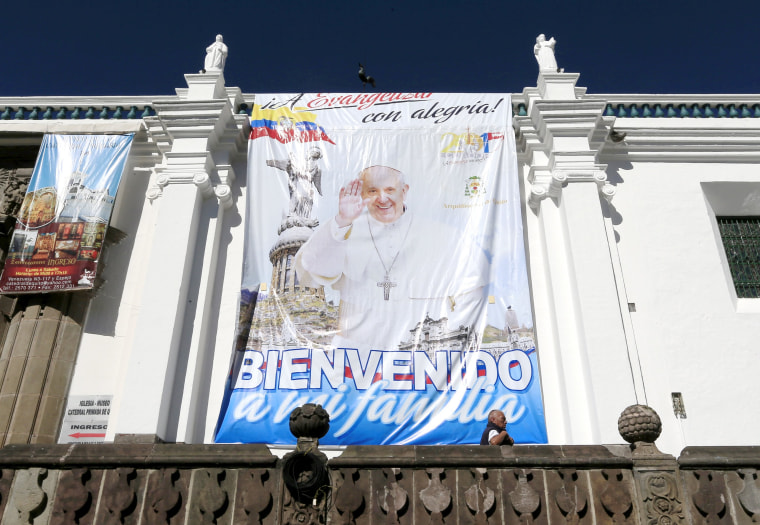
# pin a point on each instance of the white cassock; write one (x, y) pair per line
(431, 271)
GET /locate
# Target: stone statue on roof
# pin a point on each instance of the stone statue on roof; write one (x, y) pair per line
(216, 55)
(544, 51)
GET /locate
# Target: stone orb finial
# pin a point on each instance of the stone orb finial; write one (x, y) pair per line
(639, 423)
(309, 421)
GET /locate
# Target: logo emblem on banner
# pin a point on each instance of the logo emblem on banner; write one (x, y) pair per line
(460, 148)
(474, 187)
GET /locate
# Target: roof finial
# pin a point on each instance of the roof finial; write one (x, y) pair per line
(544, 51)
(216, 55)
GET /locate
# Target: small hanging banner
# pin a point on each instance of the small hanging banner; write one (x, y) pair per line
(62, 222)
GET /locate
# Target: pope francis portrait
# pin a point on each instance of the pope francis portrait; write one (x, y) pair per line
(393, 268)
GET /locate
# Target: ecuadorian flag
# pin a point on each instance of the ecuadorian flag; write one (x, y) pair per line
(285, 125)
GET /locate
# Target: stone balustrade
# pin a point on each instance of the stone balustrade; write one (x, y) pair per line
(368, 485)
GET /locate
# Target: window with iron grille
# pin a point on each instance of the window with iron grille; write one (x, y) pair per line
(741, 240)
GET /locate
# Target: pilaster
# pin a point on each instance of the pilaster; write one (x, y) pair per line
(584, 352)
(200, 138)
(201, 318)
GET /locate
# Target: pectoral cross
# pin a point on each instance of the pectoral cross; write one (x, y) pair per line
(386, 284)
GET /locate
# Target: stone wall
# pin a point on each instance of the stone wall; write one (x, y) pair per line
(526, 484)
(37, 359)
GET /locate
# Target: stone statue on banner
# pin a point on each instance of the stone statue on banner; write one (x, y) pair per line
(544, 51)
(216, 55)
(304, 177)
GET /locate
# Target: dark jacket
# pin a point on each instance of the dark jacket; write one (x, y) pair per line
(492, 426)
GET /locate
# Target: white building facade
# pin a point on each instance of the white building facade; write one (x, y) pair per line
(634, 301)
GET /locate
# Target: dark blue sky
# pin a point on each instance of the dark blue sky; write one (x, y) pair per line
(144, 48)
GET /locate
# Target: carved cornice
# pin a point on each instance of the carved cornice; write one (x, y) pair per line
(206, 126)
(193, 119)
(560, 142)
(685, 140)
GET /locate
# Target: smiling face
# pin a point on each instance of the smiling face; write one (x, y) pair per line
(386, 190)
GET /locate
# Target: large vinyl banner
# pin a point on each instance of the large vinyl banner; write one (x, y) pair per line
(62, 223)
(385, 272)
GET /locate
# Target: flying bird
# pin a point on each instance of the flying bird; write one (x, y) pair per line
(366, 79)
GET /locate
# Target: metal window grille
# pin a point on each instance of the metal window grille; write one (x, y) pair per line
(741, 240)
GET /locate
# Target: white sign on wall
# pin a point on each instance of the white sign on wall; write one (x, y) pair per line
(85, 419)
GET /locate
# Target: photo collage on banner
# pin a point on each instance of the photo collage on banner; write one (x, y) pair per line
(63, 219)
(385, 273)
